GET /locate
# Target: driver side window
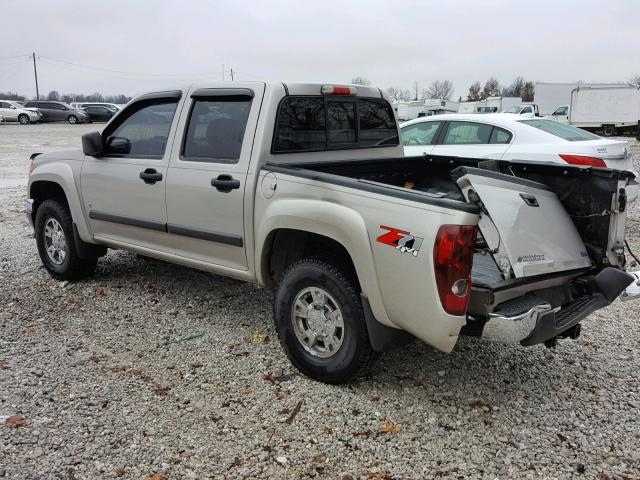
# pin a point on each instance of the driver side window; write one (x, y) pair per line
(143, 133)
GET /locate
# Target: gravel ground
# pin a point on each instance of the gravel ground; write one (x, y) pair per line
(150, 370)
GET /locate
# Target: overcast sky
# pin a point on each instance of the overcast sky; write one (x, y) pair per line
(159, 43)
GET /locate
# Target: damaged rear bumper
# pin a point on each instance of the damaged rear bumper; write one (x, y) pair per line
(539, 323)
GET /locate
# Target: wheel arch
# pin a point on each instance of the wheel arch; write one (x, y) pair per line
(298, 226)
(56, 180)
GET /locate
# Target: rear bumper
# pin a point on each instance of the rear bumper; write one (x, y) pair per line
(541, 322)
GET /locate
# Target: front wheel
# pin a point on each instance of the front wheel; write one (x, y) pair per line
(23, 119)
(72, 119)
(56, 243)
(320, 322)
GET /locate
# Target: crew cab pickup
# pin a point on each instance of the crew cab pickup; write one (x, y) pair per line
(304, 188)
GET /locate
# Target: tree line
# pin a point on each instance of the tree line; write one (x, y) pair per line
(54, 95)
(443, 89)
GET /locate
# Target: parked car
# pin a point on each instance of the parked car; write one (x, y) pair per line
(58, 112)
(99, 113)
(303, 188)
(111, 106)
(512, 137)
(13, 111)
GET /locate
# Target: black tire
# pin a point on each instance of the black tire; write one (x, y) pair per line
(72, 267)
(72, 119)
(609, 130)
(355, 354)
(23, 118)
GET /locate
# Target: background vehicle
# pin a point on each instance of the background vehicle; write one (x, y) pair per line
(99, 113)
(111, 106)
(611, 110)
(528, 109)
(303, 187)
(560, 114)
(14, 112)
(551, 95)
(489, 105)
(505, 136)
(58, 112)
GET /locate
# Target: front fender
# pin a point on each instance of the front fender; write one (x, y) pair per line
(337, 222)
(62, 174)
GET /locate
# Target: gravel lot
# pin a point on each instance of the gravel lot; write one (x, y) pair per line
(153, 369)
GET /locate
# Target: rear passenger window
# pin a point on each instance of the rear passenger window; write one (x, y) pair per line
(216, 129)
(331, 123)
(467, 133)
(500, 136)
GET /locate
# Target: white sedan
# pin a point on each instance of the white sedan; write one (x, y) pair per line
(504, 136)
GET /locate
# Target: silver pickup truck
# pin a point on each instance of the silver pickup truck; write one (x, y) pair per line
(304, 188)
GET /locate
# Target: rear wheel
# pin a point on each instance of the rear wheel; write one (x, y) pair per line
(72, 119)
(320, 322)
(609, 130)
(23, 119)
(56, 244)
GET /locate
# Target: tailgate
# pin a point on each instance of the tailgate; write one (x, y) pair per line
(525, 227)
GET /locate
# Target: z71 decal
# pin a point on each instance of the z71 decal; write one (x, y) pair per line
(400, 240)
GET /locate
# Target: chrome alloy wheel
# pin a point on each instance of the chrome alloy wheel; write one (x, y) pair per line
(55, 242)
(317, 322)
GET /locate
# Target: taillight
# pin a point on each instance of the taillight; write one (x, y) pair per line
(583, 160)
(335, 90)
(452, 258)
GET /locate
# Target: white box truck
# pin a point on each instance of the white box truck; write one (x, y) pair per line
(552, 95)
(612, 110)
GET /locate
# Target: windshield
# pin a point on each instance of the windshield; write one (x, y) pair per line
(561, 130)
(514, 109)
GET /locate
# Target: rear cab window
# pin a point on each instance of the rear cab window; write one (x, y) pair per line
(560, 130)
(316, 123)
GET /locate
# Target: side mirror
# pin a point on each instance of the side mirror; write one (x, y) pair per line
(92, 144)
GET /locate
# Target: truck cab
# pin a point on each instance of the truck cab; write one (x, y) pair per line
(528, 110)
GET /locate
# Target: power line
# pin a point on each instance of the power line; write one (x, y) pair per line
(90, 67)
(15, 56)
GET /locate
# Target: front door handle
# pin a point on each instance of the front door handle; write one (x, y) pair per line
(150, 176)
(225, 183)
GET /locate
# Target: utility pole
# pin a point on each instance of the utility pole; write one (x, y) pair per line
(35, 73)
(232, 74)
(223, 72)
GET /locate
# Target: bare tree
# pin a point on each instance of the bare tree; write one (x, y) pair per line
(515, 89)
(397, 93)
(440, 89)
(475, 91)
(416, 90)
(361, 81)
(528, 92)
(635, 80)
(491, 88)
(53, 96)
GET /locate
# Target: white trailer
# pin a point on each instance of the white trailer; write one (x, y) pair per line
(409, 110)
(610, 109)
(467, 107)
(551, 95)
(439, 106)
(489, 105)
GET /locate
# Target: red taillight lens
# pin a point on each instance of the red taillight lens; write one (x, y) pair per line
(583, 160)
(452, 259)
(335, 90)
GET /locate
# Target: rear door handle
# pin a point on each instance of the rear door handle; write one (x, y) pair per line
(225, 183)
(151, 176)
